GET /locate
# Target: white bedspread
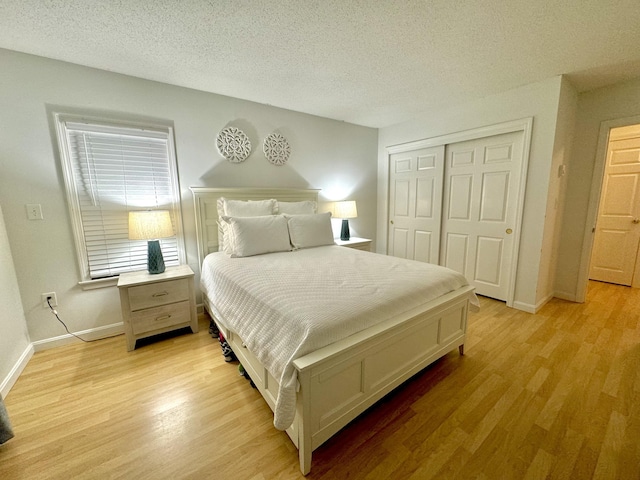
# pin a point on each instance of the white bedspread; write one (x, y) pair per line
(286, 305)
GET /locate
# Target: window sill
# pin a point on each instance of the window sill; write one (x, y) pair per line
(102, 283)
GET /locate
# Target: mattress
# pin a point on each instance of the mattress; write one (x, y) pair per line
(288, 304)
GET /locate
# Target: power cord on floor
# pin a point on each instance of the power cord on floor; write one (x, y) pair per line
(63, 324)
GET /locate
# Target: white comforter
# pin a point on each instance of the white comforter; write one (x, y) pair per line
(286, 305)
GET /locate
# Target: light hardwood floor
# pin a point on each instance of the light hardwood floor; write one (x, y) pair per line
(551, 395)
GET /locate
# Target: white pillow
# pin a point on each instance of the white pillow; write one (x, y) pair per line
(239, 208)
(311, 230)
(223, 241)
(258, 235)
(297, 208)
(249, 208)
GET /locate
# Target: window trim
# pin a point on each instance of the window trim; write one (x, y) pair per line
(60, 119)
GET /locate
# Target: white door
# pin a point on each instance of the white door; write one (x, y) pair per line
(481, 190)
(415, 203)
(617, 236)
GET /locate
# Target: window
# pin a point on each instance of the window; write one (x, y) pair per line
(110, 169)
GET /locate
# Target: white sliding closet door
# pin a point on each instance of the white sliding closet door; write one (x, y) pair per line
(415, 203)
(480, 206)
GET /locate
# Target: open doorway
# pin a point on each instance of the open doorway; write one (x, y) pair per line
(615, 255)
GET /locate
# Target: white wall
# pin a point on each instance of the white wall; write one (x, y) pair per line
(337, 157)
(564, 134)
(608, 104)
(540, 101)
(14, 338)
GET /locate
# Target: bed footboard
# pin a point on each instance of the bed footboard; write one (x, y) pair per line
(342, 380)
(338, 383)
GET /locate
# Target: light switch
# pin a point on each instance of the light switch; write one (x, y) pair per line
(34, 211)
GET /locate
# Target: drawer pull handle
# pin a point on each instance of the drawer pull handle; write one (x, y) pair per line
(164, 317)
(161, 294)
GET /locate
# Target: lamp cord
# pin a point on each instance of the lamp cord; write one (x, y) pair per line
(64, 324)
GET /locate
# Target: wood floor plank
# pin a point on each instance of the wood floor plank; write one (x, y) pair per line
(552, 395)
(606, 468)
(491, 419)
(540, 466)
(567, 454)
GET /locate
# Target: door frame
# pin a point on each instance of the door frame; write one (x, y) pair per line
(597, 180)
(525, 125)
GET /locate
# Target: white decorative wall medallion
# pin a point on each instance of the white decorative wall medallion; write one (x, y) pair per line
(233, 144)
(276, 149)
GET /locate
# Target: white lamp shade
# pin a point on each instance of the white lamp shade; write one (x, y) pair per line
(345, 209)
(150, 225)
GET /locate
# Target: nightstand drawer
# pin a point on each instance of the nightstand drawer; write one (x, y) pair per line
(156, 294)
(157, 303)
(161, 317)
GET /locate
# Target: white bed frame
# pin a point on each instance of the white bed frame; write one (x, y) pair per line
(341, 380)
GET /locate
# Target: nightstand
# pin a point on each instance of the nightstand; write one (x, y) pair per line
(355, 242)
(153, 304)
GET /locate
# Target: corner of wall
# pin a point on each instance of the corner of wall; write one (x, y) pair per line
(13, 374)
(558, 172)
(15, 343)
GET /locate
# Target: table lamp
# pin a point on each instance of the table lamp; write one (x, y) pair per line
(151, 225)
(345, 211)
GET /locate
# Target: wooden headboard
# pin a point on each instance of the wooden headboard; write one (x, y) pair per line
(206, 208)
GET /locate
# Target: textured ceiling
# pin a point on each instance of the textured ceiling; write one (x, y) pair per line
(372, 62)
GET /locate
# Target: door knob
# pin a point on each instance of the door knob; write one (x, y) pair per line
(509, 231)
(636, 220)
(391, 222)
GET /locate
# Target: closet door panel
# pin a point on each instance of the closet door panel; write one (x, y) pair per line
(415, 195)
(480, 205)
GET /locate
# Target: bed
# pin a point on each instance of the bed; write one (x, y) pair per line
(356, 334)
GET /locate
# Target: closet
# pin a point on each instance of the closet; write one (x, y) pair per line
(457, 201)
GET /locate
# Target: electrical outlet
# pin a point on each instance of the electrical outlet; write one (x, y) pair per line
(34, 211)
(53, 301)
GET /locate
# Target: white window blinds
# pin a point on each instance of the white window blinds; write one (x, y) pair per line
(113, 170)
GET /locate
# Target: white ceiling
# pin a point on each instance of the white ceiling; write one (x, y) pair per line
(369, 62)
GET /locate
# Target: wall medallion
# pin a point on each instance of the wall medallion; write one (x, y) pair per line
(233, 144)
(276, 149)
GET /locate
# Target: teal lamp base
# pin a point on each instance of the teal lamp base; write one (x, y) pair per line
(155, 262)
(344, 233)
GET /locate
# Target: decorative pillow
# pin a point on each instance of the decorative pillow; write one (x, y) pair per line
(239, 208)
(249, 208)
(297, 208)
(258, 235)
(222, 227)
(311, 230)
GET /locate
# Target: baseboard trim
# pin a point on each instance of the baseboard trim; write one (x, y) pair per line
(90, 334)
(15, 372)
(571, 297)
(525, 307)
(544, 301)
